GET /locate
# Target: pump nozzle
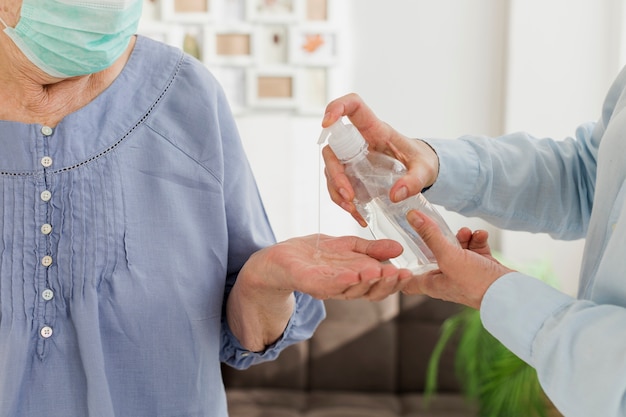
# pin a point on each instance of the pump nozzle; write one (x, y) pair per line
(344, 139)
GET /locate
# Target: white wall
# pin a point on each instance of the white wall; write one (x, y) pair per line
(562, 57)
(444, 68)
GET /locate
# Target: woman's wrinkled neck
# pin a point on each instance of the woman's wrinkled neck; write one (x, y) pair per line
(31, 96)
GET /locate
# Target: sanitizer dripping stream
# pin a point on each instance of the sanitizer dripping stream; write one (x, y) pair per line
(319, 202)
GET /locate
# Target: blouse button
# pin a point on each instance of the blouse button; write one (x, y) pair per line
(46, 130)
(45, 332)
(46, 195)
(46, 229)
(47, 294)
(46, 161)
(46, 260)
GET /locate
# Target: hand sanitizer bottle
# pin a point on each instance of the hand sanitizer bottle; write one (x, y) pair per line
(372, 174)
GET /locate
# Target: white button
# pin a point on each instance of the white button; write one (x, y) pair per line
(45, 332)
(46, 161)
(46, 195)
(46, 130)
(46, 260)
(47, 294)
(46, 229)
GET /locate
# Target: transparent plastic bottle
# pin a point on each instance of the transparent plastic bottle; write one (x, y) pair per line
(372, 174)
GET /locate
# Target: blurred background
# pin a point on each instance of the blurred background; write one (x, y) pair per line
(430, 68)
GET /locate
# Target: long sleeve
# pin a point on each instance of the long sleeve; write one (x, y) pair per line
(570, 189)
(519, 182)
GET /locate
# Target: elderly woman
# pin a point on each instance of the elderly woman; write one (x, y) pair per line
(135, 253)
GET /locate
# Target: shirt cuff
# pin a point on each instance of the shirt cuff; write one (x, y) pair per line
(515, 308)
(307, 315)
(459, 169)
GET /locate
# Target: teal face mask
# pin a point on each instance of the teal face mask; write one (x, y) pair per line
(66, 38)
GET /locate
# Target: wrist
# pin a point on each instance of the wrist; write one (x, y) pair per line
(258, 310)
(435, 164)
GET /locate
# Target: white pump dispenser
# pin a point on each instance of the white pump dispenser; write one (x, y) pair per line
(372, 174)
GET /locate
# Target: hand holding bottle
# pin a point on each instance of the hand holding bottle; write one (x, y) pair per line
(420, 160)
(465, 273)
(372, 174)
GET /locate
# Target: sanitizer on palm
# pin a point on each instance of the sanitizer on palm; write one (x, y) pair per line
(372, 174)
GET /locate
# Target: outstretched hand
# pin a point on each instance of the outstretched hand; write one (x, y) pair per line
(335, 267)
(464, 273)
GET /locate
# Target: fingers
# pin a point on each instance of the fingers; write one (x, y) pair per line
(479, 242)
(422, 165)
(338, 185)
(381, 249)
(377, 285)
(464, 235)
(352, 106)
(432, 235)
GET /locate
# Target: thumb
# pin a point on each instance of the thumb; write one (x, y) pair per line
(431, 234)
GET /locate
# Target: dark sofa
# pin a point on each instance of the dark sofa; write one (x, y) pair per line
(366, 359)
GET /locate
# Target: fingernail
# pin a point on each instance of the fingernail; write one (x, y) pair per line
(414, 219)
(344, 194)
(325, 119)
(401, 194)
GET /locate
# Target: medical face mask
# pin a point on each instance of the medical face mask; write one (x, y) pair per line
(66, 38)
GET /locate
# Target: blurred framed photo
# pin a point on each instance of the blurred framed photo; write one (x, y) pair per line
(313, 90)
(274, 10)
(227, 11)
(272, 44)
(272, 88)
(188, 11)
(316, 10)
(313, 45)
(230, 46)
(157, 30)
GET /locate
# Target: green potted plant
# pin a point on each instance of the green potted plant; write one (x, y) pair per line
(496, 381)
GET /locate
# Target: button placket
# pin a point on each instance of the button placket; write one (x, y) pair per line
(47, 294)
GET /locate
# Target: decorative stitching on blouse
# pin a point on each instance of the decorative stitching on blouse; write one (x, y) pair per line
(116, 144)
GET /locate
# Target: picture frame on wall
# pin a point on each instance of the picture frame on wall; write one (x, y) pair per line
(188, 11)
(316, 10)
(274, 10)
(229, 10)
(157, 30)
(313, 45)
(191, 39)
(313, 90)
(272, 88)
(272, 44)
(229, 45)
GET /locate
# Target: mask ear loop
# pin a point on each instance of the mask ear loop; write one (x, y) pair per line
(4, 24)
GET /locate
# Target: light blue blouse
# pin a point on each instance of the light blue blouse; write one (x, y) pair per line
(570, 189)
(121, 232)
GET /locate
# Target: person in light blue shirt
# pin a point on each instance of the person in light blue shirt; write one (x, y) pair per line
(570, 189)
(135, 252)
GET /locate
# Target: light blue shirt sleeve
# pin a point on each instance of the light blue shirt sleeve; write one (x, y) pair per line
(570, 189)
(520, 182)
